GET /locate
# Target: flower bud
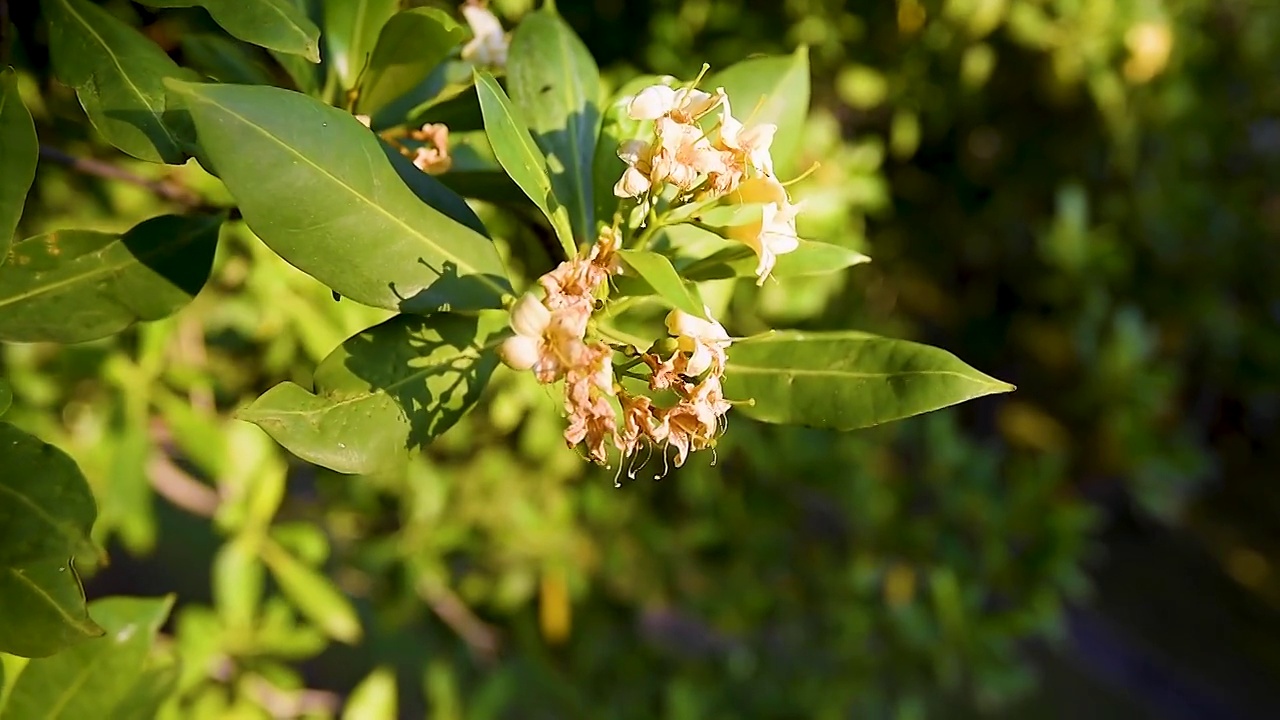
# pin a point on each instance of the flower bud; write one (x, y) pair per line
(519, 352)
(529, 317)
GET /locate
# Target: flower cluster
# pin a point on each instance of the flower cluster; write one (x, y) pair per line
(552, 338)
(431, 155)
(732, 162)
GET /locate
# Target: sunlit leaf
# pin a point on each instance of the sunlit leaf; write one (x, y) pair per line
(771, 90)
(657, 272)
(351, 30)
(149, 692)
(555, 86)
(91, 679)
(846, 380)
(44, 610)
(118, 75)
(20, 150)
(276, 24)
(374, 698)
(76, 285)
(313, 594)
(387, 390)
(6, 396)
(521, 158)
(317, 187)
(810, 258)
(410, 45)
(46, 507)
(433, 192)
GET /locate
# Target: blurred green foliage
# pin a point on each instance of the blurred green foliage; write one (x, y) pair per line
(1075, 195)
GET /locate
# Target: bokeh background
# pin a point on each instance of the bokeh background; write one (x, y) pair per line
(1081, 197)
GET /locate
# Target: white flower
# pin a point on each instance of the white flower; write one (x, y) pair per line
(488, 47)
(637, 154)
(530, 320)
(704, 339)
(750, 143)
(774, 233)
(681, 104)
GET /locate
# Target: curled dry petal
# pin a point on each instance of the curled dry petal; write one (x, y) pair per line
(489, 45)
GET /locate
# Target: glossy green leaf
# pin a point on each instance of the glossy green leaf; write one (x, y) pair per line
(656, 270)
(317, 187)
(313, 594)
(411, 44)
(91, 679)
(374, 698)
(615, 128)
(555, 86)
(433, 192)
(48, 600)
(779, 87)
(387, 390)
(521, 158)
(118, 75)
(20, 150)
(351, 30)
(810, 258)
(76, 285)
(846, 380)
(276, 24)
(46, 507)
(448, 96)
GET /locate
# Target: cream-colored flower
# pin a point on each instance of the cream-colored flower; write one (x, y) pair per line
(774, 233)
(683, 105)
(751, 144)
(638, 155)
(704, 340)
(488, 46)
(683, 154)
(530, 320)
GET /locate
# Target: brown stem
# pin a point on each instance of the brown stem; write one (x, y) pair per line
(478, 635)
(164, 189)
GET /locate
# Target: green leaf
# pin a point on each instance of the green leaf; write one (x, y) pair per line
(20, 150)
(76, 285)
(351, 30)
(91, 679)
(846, 380)
(118, 75)
(448, 96)
(47, 600)
(433, 192)
(615, 128)
(313, 594)
(149, 692)
(476, 172)
(657, 272)
(6, 396)
(521, 158)
(276, 24)
(238, 579)
(810, 258)
(780, 87)
(555, 85)
(374, 698)
(411, 44)
(46, 507)
(316, 186)
(389, 389)
(225, 60)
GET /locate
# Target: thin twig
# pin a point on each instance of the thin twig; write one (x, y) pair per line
(478, 635)
(164, 189)
(175, 485)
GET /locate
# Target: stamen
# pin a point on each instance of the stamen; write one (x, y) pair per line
(687, 89)
(812, 169)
